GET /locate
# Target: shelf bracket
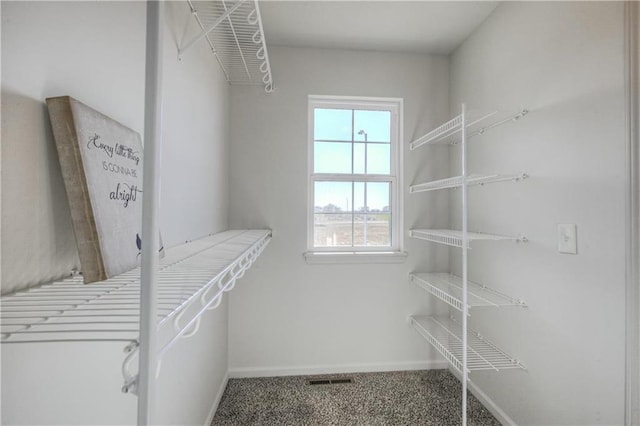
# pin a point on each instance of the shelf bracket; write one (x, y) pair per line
(130, 378)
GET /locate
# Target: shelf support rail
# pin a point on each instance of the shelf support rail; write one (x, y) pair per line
(147, 360)
(472, 180)
(481, 130)
(449, 128)
(515, 117)
(211, 27)
(442, 131)
(449, 356)
(465, 247)
(130, 378)
(224, 282)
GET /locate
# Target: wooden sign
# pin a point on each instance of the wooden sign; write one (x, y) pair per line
(101, 163)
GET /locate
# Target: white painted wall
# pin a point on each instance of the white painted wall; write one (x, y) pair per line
(94, 51)
(563, 61)
(289, 316)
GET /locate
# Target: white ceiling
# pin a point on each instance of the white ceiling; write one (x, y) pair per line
(435, 27)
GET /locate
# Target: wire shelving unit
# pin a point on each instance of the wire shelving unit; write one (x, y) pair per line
(463, 348)
(69, 310)
(472, 180)
(192, 279)
(456, 238)
(473, 126)
(448, 288)
(233, 29)
(445, 334)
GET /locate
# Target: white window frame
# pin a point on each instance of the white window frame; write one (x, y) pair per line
(394, 252)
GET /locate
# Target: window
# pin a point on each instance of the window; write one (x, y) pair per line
(354, 169)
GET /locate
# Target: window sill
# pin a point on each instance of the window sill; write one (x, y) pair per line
(323, 257)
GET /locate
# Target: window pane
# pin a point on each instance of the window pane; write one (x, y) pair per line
(332, 124)
(358, 158)
(347, 211)
(358, 197)
(372, 230)
(378, 159)
(332, 197)
(378, 199)
(332, 230)
(332, 157)
(375, 124)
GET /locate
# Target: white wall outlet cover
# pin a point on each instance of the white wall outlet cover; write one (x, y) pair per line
(567, 238)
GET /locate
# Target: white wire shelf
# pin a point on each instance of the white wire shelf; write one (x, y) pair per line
(454, 238)
(450, 128)
(472, 180)
(445, 335)
(448, 288)
(68, 310)
(233, 29)
(446, 131)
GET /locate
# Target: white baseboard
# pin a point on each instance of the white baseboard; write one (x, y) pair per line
(237, 373)
(216, 401)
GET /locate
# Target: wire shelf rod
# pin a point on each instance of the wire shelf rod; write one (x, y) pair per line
(191, 322)
(128, 293)
(78, 297)
(74, 300)
(448, 288)
(261, 243)
(84, 305)
(68, 315)
(66, 331)
(74, 292)
(70, 340)
(454, 238)
(472, 180)
(85, 302)
(57, 323)
(482, 130)
(444, 334)
(446, 130)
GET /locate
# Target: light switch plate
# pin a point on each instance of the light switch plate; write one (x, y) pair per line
(567, 238)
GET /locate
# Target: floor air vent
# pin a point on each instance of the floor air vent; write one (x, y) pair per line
(329, 381)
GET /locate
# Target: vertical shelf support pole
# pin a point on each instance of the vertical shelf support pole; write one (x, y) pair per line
(465, 243)
(632, 82)
(150, 235)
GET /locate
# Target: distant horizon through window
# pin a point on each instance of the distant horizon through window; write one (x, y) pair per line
(353, 182)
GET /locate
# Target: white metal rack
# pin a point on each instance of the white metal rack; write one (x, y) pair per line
(472, 180)
(473, 127)
(192, 279)
(445, 334)
(234, 32)
(455, 238)
(465, 349)
(448, 288)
